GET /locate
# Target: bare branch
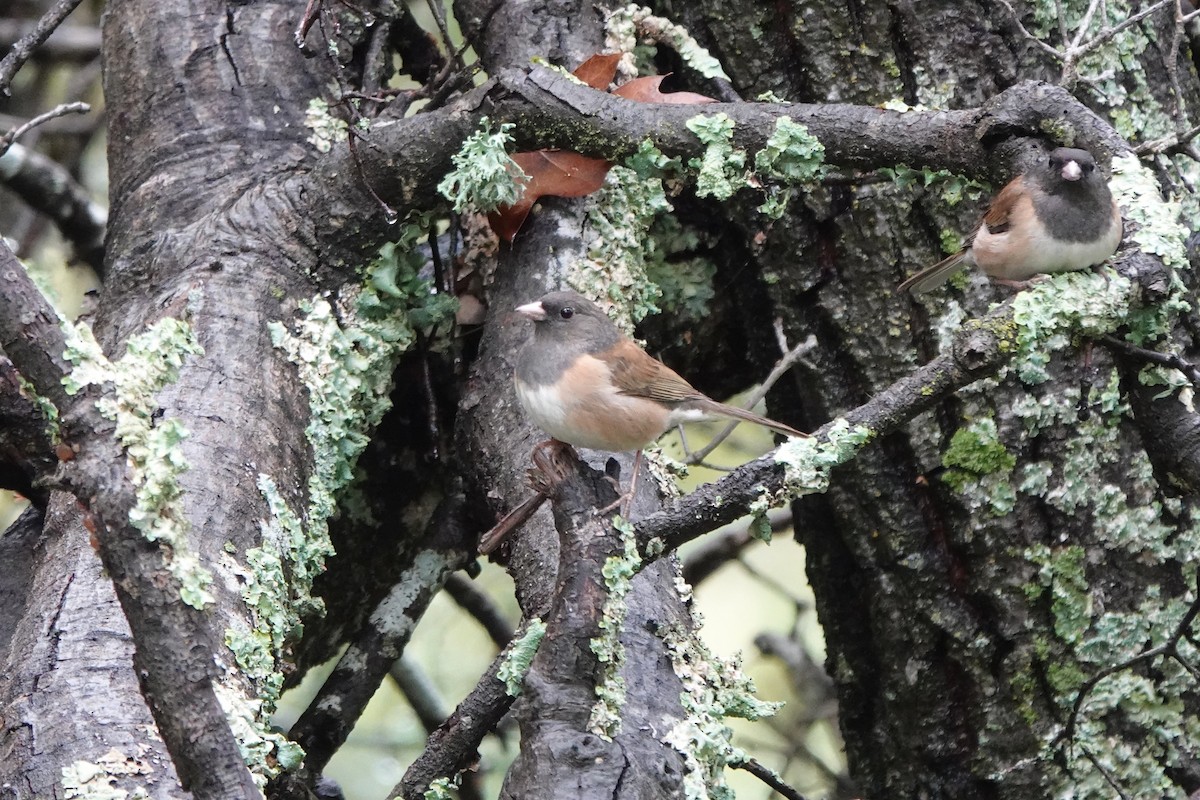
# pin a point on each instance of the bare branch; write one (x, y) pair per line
(58, 111)
(789, 359)
(29, 42)
(768, 777)
(174, 655)
(329, 718)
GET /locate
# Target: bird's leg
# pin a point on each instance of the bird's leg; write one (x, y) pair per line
(625, 501)
(1020, 285)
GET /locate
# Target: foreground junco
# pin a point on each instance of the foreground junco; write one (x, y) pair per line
(585, 383)
(1057, 216)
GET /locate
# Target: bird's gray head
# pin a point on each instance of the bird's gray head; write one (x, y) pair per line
(570, 317)
(1068, 169)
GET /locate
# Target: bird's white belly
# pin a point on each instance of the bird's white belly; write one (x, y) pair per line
(998, 256)
(599, 419)
(545, 407)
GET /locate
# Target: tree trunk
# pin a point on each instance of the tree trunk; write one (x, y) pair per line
(998, 504)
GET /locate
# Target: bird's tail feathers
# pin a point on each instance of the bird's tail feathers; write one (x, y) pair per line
(934, 276)
(709, 406)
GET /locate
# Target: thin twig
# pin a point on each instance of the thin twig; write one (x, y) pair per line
(1165, 143)
(1168, 648)
(58, 111)
(479, 604)
(23, 49)
(789, 359)
(422, 694)
(1017, 20)
(1190, 370)
(1109, 33)
(768, 777)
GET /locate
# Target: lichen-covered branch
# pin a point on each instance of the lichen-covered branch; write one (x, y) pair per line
(980, 349)
(324, 726)
(174, 648)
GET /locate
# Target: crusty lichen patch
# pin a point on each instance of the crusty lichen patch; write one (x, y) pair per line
(618, 572)
(152, 361)
(713, 689)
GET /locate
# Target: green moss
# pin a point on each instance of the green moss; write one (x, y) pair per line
(979, 467)
(520, 655)
(151, 362)
(976, 449)
(484, 176)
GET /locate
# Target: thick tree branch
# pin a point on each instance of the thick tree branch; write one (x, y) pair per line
(452, 747)
(174, 655)
(406, 158)
(26, 448)
(49, 188)
(328, 720)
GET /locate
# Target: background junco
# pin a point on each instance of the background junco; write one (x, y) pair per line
(1057, 216)
(585, 383)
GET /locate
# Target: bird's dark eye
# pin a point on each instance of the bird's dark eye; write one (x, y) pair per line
(567, 313)
(1088, 167)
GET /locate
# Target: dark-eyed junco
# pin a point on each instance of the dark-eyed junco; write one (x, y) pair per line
(585, 383)
(1057, 216)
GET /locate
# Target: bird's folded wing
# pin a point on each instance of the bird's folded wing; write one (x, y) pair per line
(640, 375)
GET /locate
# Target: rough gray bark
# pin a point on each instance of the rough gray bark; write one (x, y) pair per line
(964, 638)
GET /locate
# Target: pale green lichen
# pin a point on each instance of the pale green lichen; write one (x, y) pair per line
(626, 26)
(618, 572)
(791, 155)
(151, 362)
(266, 753)
(721, 170)
(1094, 474)
(484, 175)
(618, 246)
(952, 187)
(345, 358)
(1061, 573)
(46, 408)
(326, 128)
(1089, 303)
(1113, 70)
(442, 789)
(809, 461)
(713, 689)
(519, 656)
(1158, 230)
(88, 780)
